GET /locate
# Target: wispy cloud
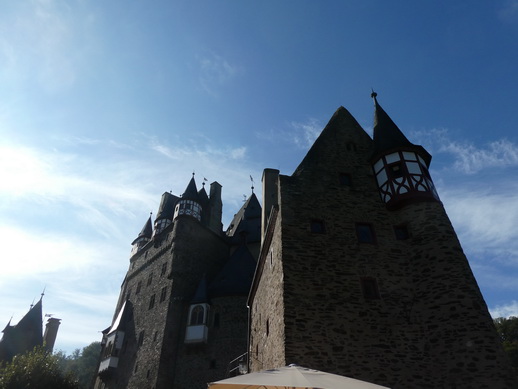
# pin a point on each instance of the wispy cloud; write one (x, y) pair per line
(507, 310)
(468, 158)
(215, 71)
(300, 134)
(43, 42)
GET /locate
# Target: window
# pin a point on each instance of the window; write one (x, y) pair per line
(197, 316)
(401, 232)
(370, 288)
(345, 179)
(317, 226)
(164, 269)
(139, 285)
(152, 302)
(150, 279)
(212, 364)
(216, 320)
(365, 233)
(155, 336)
(140, 338)
(267, 327)
(163, 294)
(396, 170)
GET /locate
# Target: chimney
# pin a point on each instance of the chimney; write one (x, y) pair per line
(216, 208)
(51, 332)
(270, 196)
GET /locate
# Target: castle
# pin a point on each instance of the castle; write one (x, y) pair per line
(351, 266)
(27, 334)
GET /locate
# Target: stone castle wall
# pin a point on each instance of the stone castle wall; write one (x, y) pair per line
(428, 327)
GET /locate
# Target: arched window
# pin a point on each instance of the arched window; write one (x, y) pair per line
(197, 316)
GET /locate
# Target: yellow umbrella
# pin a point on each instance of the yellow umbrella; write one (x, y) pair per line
(292, 377)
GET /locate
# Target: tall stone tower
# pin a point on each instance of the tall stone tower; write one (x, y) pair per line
(361, 273)
(181, 317)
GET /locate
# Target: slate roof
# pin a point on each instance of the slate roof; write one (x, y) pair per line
(146, 232)
(387, 135)
(166, 208)
(236, 276)
(246, 221)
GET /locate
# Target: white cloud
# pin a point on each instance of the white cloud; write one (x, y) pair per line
(470, 159)
(216, 71)
(305, 134)
(510, 309)
(44, 42)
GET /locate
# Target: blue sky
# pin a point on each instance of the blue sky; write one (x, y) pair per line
(104, 105)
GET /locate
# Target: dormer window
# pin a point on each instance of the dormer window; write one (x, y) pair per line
(161, 225)
(197, 329)
(188, 207)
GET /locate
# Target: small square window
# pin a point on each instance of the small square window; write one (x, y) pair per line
(370, 288)
(150, 279)
(401, 232)
(164, 268)
(345, 179)
(139, 285)
(365, 233)
(317, 226)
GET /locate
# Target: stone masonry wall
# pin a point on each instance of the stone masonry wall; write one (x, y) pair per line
(429, 328)
(267, 348)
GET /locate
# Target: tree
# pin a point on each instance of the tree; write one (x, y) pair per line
(507, 329)
(81, 363)
(34, 370)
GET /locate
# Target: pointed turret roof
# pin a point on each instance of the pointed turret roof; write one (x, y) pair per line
(191, 192)
(146, 232)
(387, 136)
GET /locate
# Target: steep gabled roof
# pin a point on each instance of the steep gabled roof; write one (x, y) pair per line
(236, 276)
(246, 221)
(341, 129)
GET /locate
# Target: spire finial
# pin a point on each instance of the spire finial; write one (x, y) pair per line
(373, 95)
(251, 179)
(43, 293)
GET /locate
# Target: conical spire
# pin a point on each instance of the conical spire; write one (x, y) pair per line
(388, 137)
(191, 192)
(147, 231)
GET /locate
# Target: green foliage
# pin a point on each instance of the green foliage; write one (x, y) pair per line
(507, 329)
(35, 369)
(81, 364)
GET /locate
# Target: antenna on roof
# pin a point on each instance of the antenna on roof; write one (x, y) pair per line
(32, 304)
(251, 179)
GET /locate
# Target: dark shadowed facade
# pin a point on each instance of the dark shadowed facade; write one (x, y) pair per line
(358, 272)
(182, 318)
(27, 334)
